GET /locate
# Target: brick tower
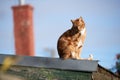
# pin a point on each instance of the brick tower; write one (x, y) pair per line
(23, 29)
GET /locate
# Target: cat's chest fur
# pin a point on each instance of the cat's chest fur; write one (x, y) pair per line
(78, 38)
(83, 34)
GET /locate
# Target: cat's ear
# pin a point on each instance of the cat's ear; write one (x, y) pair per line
(80, 18)
(72, 21)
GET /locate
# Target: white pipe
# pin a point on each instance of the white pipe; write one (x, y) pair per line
(21, 2)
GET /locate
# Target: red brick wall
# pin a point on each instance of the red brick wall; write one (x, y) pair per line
(23, 30)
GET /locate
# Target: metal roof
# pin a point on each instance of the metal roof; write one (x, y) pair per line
(55, 63)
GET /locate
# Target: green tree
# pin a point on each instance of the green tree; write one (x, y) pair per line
(118, 64)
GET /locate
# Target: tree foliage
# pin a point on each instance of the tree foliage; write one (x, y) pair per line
(118, 64)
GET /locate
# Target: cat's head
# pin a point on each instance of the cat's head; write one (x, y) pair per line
(78, 23)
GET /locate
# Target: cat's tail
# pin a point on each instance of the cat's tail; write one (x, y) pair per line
(90, 57)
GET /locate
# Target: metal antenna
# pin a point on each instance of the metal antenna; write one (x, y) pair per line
(21, 2)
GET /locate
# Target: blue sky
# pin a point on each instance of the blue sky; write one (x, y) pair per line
(52, 18)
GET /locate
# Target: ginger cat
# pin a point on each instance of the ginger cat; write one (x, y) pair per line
(70, 43)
